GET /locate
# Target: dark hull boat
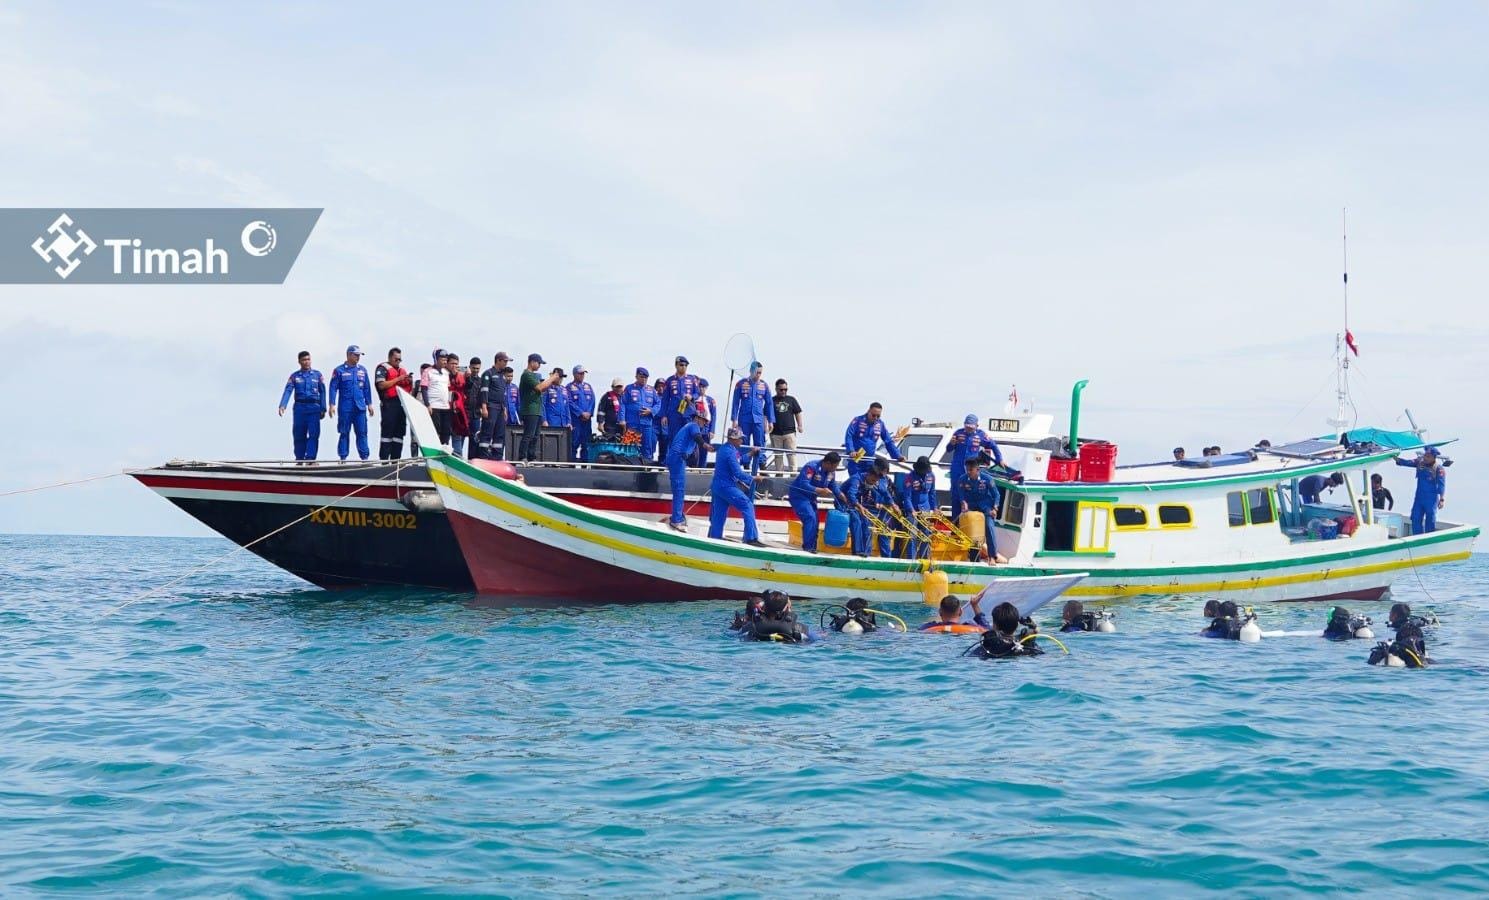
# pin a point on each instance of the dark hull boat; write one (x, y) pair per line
(379, 523)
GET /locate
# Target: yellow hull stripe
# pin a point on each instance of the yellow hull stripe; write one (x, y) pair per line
(1085, 589)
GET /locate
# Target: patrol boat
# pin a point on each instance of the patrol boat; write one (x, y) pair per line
(1234, 525)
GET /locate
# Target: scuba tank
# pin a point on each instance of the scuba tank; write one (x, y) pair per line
(1249, 632)
(851, 618)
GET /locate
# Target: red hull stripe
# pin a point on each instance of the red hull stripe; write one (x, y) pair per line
(506, 563)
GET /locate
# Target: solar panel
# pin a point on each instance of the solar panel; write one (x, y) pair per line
(1308, 448)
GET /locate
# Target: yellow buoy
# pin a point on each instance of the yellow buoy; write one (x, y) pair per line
(974, 525)
(933, 587)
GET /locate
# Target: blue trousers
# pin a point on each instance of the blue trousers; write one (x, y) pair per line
(493, 437)
(806, 510)
(648, 440)
(1423, 514)
(725, 497)
(346, 420)
(886, 546)
(583, 430)
(306, 428)
(754, 435)
(677, 477)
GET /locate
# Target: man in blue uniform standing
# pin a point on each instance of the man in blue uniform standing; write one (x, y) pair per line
(980, 494)
(679, 393)
(493, 408)
(308, 387)
(581, 413)
(751, 411)
(679, 451)
(863, 436)
(641, 408)
(732, 487)
(970, 441)
(816, 479)
(351, 402)
(1432, 488)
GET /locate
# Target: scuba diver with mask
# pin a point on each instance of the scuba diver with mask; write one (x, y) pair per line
(1075, 618)
(1001, 641)
(855, 617)
(1346, 626)
(1401, 614)
(769, 617)
(1408, 650)
(1229, 624)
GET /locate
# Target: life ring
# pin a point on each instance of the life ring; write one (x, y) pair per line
(959, 628)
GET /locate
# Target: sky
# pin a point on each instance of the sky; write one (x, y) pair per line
(919, 204)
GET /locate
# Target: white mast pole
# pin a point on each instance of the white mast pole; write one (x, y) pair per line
(1341, 351)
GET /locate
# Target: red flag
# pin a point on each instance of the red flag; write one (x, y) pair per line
(1349, 341)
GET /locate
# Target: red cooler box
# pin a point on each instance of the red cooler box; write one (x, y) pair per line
(1098, 461)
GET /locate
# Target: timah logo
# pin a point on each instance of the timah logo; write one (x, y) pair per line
(152, 246)
(62, 246)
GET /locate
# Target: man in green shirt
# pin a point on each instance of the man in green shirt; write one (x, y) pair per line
(530, 404)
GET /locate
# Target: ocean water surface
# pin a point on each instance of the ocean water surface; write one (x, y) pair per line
(245, 733)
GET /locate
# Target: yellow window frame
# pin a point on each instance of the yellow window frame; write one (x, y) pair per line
(1142, 509)
(1106, 538)
(1172, 527)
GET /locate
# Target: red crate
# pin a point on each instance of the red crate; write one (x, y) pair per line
(1098, 461)
(1061, 469)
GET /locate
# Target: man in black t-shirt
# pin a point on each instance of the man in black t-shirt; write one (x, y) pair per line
(787, 427)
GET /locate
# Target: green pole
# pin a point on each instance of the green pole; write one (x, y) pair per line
(1075, 414)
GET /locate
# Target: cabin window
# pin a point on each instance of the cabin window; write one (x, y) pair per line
(1129, 517)
(1259, 502)
(1013, 508)
(1235, 507)
(1175, 516)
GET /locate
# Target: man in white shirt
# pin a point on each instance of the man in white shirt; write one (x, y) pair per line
(435, 383)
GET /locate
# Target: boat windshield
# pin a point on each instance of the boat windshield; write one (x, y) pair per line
(918, 445)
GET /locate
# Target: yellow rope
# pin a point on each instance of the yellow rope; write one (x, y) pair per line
(1030, 637)
(880, 612)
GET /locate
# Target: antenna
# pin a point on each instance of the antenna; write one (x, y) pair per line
(1342, 341)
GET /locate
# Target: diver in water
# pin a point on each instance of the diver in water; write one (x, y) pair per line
(1229, 624)
(770, 618)
(1346, 626)
(1401, 614)
(949, 617)
(1075, 618)
(1006, 639)
(853, 617)
(1408, 650)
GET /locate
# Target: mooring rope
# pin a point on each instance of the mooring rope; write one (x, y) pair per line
(47, 487)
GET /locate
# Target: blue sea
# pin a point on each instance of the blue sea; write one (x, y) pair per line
(244, 733)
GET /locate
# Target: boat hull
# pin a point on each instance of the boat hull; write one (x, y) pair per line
(541, 545)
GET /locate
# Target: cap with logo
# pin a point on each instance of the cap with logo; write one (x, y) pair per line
(970, 420)
(579, 368)
(703, 382)
(354, 349)
(641, 371)
(681, 361)
(536, 358)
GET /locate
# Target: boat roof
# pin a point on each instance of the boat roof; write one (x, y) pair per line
(1260, 464)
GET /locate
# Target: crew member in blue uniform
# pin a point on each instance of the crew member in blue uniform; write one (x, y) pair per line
(351, 402)
(308, 388)
(514, 397)
(862, 438)
(581, 413)
(679, 392)
(1432, 489)
(817, 478)
(700, 461)
(881, 499)
(966, 443)
(920, 497)
(980, 494)
(857, 499)
(641, 407)
(750, 410)
(732, 487)
(679, 451)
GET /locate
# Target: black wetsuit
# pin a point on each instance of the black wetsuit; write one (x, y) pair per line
(784, 629)
(997, 645)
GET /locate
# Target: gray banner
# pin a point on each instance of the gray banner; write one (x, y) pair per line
(81, 245)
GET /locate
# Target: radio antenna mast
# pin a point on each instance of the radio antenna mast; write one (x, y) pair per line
(1343, 343)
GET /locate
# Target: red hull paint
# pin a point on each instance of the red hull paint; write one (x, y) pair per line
(505, 563)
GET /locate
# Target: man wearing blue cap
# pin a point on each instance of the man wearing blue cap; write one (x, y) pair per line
(309, 390)
(689, 436)
(350, 381)
(700, 457)
(970, 441)
(679, 393)
(642, 408)
(1432, 488)
(581, 413)
(530, 405)
(750, 410)
(732, 487)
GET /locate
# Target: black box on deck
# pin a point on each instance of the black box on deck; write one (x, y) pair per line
(553, 443)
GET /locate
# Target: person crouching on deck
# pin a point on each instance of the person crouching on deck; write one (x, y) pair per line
(732, 487)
